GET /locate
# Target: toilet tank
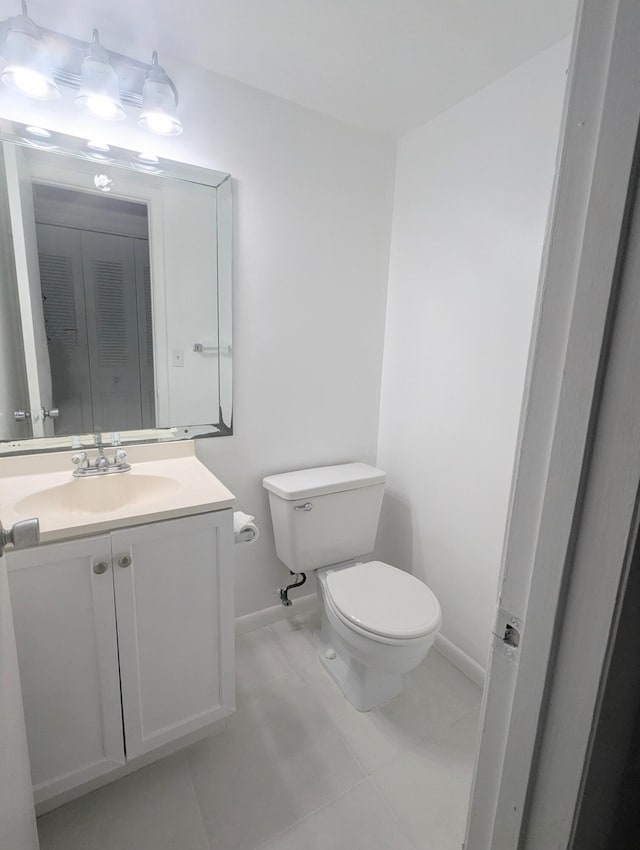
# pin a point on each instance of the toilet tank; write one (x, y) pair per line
(325, 515)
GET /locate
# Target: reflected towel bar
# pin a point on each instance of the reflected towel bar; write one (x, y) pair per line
(206, 349)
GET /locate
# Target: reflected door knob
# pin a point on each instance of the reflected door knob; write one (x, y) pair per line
(23, 534)
(21, 415)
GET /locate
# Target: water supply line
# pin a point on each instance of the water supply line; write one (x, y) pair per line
(284, 591)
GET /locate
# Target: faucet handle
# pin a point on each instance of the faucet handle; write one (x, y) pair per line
(119, 455)
(81, 457)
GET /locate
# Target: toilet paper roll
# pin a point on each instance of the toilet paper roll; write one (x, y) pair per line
(245, 523)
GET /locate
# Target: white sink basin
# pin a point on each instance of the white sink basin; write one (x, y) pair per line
(100, 494)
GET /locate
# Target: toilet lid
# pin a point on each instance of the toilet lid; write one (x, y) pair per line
(384, 600)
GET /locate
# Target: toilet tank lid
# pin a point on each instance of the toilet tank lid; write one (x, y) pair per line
(322, 480)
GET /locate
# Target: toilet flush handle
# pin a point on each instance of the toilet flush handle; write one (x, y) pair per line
(306, 507)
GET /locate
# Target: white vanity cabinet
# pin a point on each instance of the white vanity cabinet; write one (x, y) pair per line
(65, 625)
(125, 644)
(174, 606)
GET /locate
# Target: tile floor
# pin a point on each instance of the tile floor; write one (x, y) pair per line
(297, 768)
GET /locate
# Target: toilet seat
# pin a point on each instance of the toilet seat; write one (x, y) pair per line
(383, 602)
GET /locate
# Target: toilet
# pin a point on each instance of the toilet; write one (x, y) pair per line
(378, 621)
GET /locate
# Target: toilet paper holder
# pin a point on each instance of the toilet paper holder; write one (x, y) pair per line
(245, 536)
(245, 529)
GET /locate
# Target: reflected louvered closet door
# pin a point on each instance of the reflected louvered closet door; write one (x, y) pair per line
(112, 323)
(60, 258)
(145, 332)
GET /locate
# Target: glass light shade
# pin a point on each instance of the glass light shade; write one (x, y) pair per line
(27, 67)
(159, 102)
(99, 92)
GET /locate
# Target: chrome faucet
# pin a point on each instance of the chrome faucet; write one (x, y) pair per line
(101, 464)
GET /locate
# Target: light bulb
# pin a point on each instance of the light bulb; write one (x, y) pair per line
(99, 92)
(27, 65)
(159, 123)
(159, 102)
(30, 83)
(103, 107)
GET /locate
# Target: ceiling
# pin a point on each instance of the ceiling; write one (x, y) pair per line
(387, 66)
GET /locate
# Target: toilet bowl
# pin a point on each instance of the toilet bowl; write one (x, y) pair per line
(369, 639)
(378, 621)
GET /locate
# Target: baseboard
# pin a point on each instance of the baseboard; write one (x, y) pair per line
(259, 619)
(304, 604)
(471, 669)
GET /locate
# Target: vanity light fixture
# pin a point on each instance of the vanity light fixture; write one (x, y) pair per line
(38, 63)
(27, 67)
(99, 92)
(159, 102)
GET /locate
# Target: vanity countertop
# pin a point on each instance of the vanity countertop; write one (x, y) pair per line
(166, 481)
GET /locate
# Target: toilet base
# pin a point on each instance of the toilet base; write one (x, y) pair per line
(366, 688)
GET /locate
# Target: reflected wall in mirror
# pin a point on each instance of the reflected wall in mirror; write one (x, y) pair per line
(115, 295)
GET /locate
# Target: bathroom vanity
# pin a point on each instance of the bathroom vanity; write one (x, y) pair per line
(124, 614)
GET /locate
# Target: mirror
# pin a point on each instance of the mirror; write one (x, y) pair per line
(115, 294)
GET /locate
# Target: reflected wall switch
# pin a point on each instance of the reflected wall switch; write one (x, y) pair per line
(177, 357)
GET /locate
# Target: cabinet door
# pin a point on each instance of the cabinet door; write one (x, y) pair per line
(175, 611)
(68, 659)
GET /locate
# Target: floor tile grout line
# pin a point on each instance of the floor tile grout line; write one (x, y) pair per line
(250, 692)
(338, 728)
(345, 740)
(412, 750)
(299, 678)
(200, 812)
(274, 638)
(442, 732)
(282, 646)
(367, 773)
(402, 827)
(310, 814)
(404, 750)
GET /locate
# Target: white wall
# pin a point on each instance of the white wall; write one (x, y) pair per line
(471, 200)
(313, 201)
(312, 220)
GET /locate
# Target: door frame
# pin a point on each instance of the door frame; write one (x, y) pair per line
(27, 275)
(579, 428)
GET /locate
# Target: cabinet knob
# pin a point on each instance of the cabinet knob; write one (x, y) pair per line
(124, 561)
(100, 568)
